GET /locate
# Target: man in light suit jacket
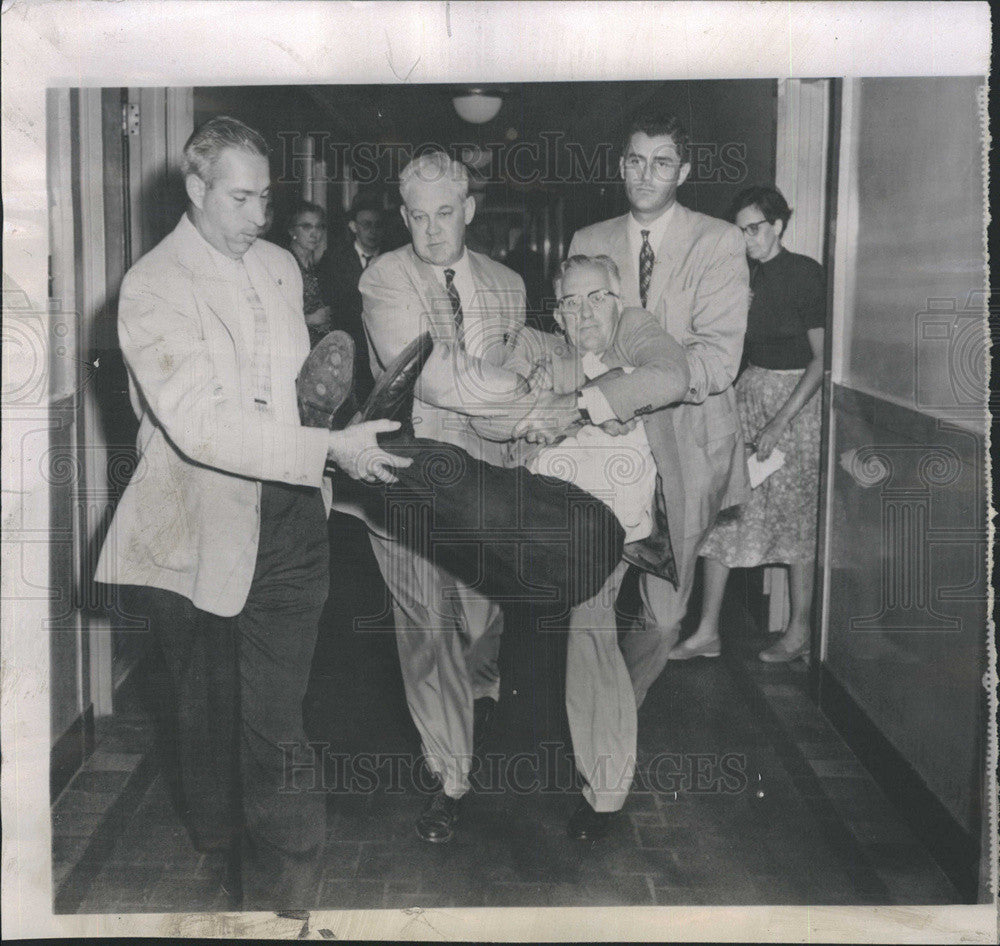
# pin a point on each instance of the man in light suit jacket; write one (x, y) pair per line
(447, 633)
(690, 271)
(220, 538)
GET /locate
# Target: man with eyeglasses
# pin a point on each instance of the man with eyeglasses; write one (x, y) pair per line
(689, 270)
(616, 368)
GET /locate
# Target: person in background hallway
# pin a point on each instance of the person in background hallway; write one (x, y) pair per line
(690, 271)
(344, 265)
(778, 410)
(307, 240)
(221, 543)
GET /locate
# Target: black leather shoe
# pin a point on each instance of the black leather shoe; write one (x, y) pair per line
(437, 822)
(483, 713)
(392, 396)
(585, 824)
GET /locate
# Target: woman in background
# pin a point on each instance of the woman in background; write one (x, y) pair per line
(778, 411)
(307, 241)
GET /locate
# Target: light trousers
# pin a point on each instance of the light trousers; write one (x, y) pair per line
(448, 637)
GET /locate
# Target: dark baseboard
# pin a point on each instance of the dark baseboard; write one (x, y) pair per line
(72, 891)
(955, 849)
(70, 751)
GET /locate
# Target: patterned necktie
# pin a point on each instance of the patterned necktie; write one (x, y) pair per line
(456, 305)
(261, 343)
(645, 267)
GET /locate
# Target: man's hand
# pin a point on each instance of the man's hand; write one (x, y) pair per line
(319, 319)
(540, 378)
(356, 451)
(616, 427)
(549, 418)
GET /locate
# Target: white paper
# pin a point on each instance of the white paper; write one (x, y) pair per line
(760, 470)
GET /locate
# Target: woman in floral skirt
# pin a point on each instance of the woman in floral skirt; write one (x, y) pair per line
(779, 409)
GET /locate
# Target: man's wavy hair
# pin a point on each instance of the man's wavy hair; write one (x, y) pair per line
(206, 144)
(655, 122)
(606, 263)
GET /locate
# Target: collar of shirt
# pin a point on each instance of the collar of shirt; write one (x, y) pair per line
(657, 230)
(463, 277)
(362, 254)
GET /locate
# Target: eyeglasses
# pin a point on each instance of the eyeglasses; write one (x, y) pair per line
(751, 228)
(595, 298)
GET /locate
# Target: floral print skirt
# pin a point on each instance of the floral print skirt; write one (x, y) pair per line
(777, 525)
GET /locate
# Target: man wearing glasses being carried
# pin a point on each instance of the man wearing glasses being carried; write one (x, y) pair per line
(616, 368)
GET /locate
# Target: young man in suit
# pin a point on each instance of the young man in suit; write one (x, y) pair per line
(689, 270)
(447, 634)
(220, 537)
(344, 265)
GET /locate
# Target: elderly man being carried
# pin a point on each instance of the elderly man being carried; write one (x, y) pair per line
(599, 423)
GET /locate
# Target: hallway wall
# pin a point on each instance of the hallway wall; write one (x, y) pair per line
(906, 618)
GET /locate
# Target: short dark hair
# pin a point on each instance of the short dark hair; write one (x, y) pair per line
(364, 202)
(767, 200)
(206, 144)
(655, 122)
(305, 207)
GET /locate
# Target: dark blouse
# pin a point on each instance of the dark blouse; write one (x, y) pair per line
(788, 296)
(312, 298)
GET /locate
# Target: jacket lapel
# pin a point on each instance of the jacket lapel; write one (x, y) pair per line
(214, 289)
(666, 256)
(628, 268)
(435, 302)
(495, 328)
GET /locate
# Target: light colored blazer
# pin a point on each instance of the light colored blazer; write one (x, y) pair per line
(189, 519)
(699, 292)
(403, 298)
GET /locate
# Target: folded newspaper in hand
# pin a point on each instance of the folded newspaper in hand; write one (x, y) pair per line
(760, 470)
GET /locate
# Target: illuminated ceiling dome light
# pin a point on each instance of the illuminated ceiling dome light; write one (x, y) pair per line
(477, 106)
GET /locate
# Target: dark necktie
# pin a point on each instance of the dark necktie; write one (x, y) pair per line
(456, 305)
(367, 260)
(645, 267)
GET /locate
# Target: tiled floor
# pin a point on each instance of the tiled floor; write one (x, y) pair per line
(745, 795)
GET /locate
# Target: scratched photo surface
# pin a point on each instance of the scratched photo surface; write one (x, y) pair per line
(681, 598)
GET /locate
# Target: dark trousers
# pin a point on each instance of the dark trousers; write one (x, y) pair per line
(237, 689)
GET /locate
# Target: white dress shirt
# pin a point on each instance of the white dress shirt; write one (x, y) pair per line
(283, 398)
(362, 255)
(657, 230)
(619, 470)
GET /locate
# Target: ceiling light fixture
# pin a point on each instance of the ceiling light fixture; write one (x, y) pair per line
(477, 106)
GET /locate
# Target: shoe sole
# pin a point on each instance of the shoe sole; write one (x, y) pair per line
(443, 840)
